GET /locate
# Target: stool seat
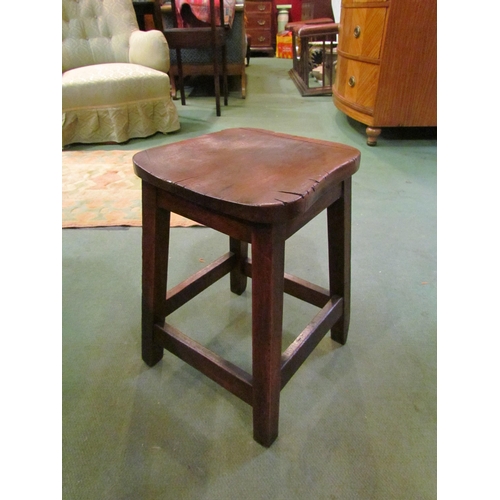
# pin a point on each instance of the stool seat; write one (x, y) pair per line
(252, 174)
(259, 188)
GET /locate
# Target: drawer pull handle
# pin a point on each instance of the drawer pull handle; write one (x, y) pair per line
(352, 81)
(261, 22)
(262, 7)
(261, 38)
(357, 32)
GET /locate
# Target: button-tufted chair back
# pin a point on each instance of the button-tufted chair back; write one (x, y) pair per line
(96, 32)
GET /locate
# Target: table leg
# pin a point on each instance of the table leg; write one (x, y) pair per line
(268, 255)
(238, 277)
(155, 240)
(339, 257)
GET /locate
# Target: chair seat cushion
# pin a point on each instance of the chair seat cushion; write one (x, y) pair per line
(111, 84)
(115, 102)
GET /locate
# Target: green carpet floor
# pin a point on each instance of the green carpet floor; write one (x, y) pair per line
(357, 422)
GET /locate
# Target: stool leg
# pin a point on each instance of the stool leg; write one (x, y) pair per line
(339, 257)
(268, 255)
(155, 239)
(237, 277)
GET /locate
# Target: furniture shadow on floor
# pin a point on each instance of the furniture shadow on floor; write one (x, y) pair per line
(396, 133)
(410, 133)
(203, 86)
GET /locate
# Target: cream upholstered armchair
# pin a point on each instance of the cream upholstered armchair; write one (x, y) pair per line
(115, 84)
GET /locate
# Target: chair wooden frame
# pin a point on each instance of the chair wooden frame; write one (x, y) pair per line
(213, 37)
(319, 32)
(151, 8)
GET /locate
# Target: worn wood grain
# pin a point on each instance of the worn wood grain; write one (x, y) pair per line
(257, 187)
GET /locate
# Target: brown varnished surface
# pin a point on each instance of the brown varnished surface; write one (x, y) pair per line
(257, 187)
(262, 176)
(393, 61)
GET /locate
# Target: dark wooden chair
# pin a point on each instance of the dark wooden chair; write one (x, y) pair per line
(212, 37)
(148, 10)
(257, 187)
(316, 9)
(314, 35)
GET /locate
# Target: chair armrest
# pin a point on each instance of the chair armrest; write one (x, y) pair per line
(318, 29)
(295, 25)
(150, 48)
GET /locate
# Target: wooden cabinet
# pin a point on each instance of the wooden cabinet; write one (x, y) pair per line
(260, 25)
(387, 64)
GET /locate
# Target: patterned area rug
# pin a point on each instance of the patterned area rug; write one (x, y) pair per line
(100, 189)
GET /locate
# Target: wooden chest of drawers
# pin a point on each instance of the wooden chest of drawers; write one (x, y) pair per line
(260, 25)
(387, 64)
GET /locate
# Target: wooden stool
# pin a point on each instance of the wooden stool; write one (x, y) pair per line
(257, 187)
